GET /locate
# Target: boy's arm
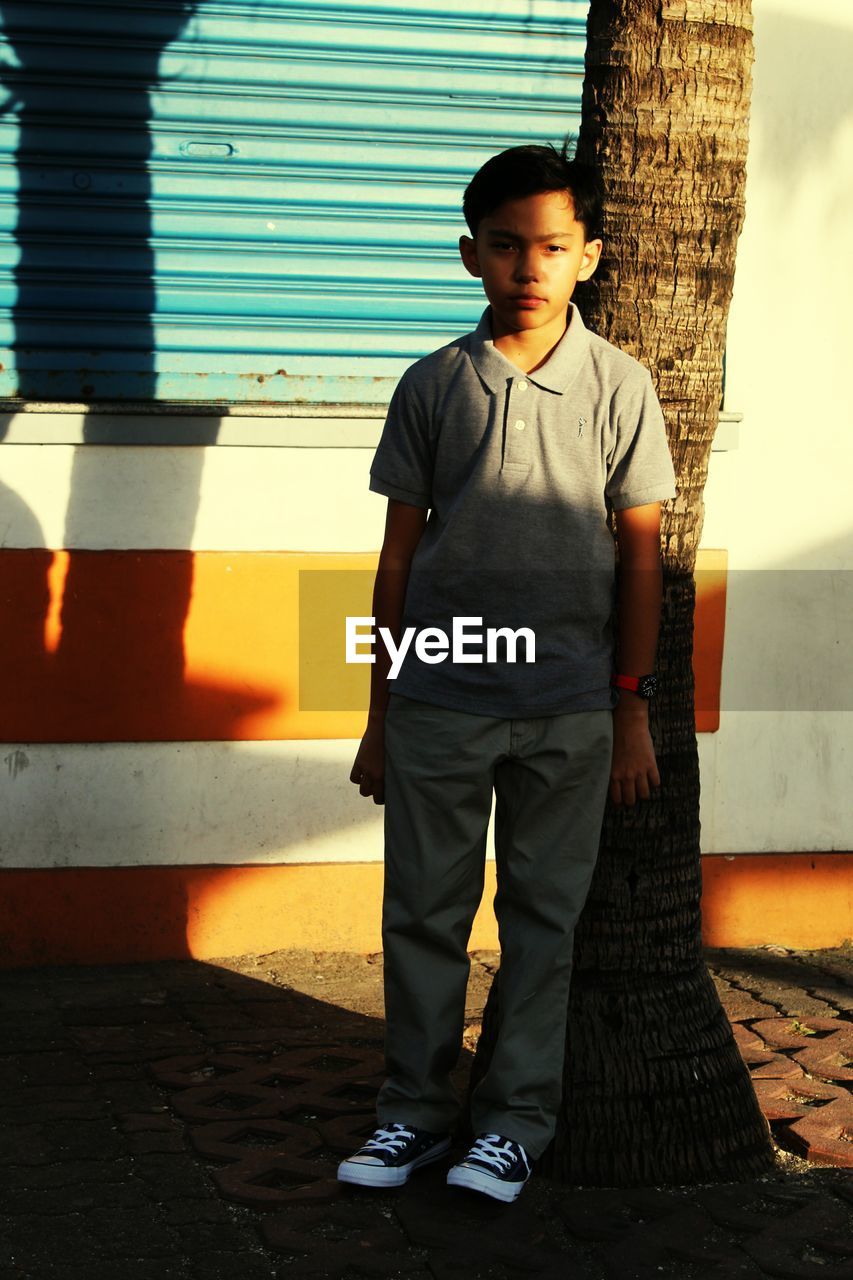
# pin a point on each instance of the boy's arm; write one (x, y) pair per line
(634, 769)
(404, 525)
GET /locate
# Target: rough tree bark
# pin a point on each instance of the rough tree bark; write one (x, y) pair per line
(655, 1090)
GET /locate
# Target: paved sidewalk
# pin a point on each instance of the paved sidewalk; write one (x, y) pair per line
(184, 1121)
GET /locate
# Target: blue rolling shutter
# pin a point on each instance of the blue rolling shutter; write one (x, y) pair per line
(237, 201)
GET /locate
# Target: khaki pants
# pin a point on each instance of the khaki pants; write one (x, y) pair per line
(550, 776)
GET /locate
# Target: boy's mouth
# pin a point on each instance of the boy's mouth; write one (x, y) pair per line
(527, 300)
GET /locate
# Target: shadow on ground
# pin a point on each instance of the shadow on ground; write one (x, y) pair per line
(184, 1121)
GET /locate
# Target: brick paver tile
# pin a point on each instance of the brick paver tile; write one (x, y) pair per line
(806, 1244)
(789, 1099)
(830, 1058)
(763, 1062)
(740, 1005)
(791, 1034)
(325, 1238)
(826, 1134)
(784, 980)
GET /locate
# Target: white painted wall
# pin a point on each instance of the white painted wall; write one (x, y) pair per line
(183, 803)
(776, 775)
(199, 498)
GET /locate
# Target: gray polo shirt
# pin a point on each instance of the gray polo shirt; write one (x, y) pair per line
(519, 472)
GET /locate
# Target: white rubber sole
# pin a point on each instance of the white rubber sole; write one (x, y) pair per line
(474, 1180)
(361, 1174)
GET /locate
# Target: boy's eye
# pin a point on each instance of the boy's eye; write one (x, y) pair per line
(508, 244)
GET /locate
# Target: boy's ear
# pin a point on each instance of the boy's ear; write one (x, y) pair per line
(591, 255)
(468, 253)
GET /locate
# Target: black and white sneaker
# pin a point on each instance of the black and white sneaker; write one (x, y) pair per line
(495, 1165)
(391, 1155)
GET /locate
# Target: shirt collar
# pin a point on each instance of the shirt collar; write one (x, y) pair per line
(556, 374)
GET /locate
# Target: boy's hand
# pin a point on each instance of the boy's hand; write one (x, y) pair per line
(633, 771)
(368, 771)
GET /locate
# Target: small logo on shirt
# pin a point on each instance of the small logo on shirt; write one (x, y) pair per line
(581, 425)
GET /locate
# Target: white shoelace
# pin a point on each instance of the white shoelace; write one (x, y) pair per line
(387, 1139)
(485, 1150)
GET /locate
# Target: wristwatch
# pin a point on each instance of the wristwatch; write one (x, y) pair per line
(645, 686)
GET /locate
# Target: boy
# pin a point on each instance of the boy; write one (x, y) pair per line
(518, 439)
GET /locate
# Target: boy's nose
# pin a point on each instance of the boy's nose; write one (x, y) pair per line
(525, 268)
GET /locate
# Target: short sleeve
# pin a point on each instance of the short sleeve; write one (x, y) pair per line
(639, 466)
(402, 466)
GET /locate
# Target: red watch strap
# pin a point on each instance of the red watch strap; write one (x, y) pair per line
(626, 682)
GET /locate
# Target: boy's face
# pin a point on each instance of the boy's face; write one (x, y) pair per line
(530, 253)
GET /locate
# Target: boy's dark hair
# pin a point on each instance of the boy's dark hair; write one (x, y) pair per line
(528, 170)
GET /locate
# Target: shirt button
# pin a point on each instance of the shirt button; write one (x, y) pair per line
(520, 424)
(522, 386)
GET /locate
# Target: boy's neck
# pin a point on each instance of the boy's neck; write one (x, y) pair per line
(527, 349)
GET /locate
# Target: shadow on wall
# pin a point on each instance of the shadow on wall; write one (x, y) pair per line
(81, 236)
(78, 82)
(24, 604)
(83, 216)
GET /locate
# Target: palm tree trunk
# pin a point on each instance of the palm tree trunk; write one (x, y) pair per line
(655, 1090)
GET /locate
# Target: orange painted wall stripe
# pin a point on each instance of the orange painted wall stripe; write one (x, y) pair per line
(793, 899)
(123, 915)
(154, 646)
(709, 626)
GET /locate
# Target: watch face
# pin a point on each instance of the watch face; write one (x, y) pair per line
(647, 687)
